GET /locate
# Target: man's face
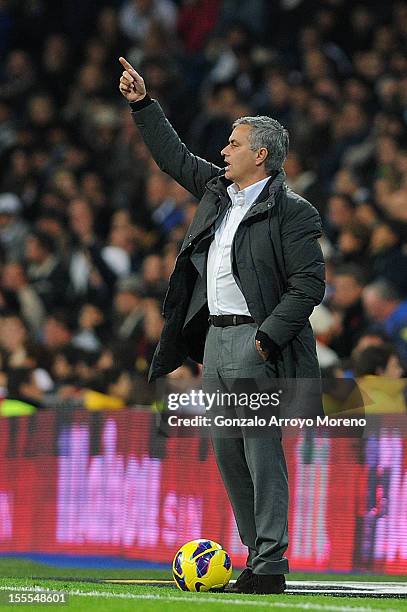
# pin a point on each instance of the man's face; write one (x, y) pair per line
(373, 305)
(56, 334)
(347, 291)
(33, 251)
(125, 302)
(240, 160)
(339, 212)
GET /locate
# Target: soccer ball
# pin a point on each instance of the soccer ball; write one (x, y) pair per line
(201, 565)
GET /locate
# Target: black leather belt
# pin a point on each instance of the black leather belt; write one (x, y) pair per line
(230, 319)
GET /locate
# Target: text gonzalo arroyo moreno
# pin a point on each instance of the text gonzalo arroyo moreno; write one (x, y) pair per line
(198, 399)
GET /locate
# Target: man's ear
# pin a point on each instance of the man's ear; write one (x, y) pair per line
(262, 153)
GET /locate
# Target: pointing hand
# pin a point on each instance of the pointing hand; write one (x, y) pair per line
(131, 83)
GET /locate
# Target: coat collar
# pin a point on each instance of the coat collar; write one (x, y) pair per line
(265, 200)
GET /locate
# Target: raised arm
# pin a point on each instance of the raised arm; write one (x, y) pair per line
(171, 155)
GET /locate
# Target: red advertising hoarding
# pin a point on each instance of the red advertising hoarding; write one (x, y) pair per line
(111, 484)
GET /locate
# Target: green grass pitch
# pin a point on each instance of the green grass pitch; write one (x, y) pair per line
(104, 597)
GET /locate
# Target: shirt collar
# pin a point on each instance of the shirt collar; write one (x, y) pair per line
(248, 195)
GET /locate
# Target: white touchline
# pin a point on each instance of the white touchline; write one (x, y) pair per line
(200, 599)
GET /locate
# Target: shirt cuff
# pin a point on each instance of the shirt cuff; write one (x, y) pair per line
(137, 106)
(267, 344)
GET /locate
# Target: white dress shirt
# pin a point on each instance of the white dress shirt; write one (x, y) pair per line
(224, 295)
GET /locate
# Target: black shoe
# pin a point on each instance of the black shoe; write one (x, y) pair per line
(264, 584)
(243, 584)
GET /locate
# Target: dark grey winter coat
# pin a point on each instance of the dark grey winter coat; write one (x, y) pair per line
(276, 258)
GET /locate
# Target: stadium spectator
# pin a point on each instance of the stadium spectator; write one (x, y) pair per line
(120, 252)
(91, 276)
(379, 373)
(324, 325)
(210, 128)
(349, 319)
(304, 181)
(164, 211)
(13, 341)
(118, 383)
(8, 133)
(18, 78)
(152, 274)
(385, 307)
(381, 360)
(13, 229)
(341, 209)
(19, 295)
(53, 223)
(151, 331)
(369, 338)
(389, 261)
(196, 20)
(57, 331)
(45, 272)
(22, 386)
(353, 243)
(274, 100)
(90, 331)
(129, 309)
(137, 16)
(62, 368)
(238, 11)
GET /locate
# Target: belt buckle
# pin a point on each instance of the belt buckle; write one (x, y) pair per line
(234, 319)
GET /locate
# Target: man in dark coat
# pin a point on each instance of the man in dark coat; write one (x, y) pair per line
(246, 280)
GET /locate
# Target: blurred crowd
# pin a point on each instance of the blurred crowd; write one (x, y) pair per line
(90, 227)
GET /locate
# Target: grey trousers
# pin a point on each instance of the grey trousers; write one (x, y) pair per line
(252, 466)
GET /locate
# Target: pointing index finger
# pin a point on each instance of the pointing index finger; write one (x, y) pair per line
(127, 66)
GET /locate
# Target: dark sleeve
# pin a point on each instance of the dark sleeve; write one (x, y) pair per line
(170, 154)
(137, 106)
(268, 345)
(304, 265)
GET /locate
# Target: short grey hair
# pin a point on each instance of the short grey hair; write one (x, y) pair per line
(270, 134)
